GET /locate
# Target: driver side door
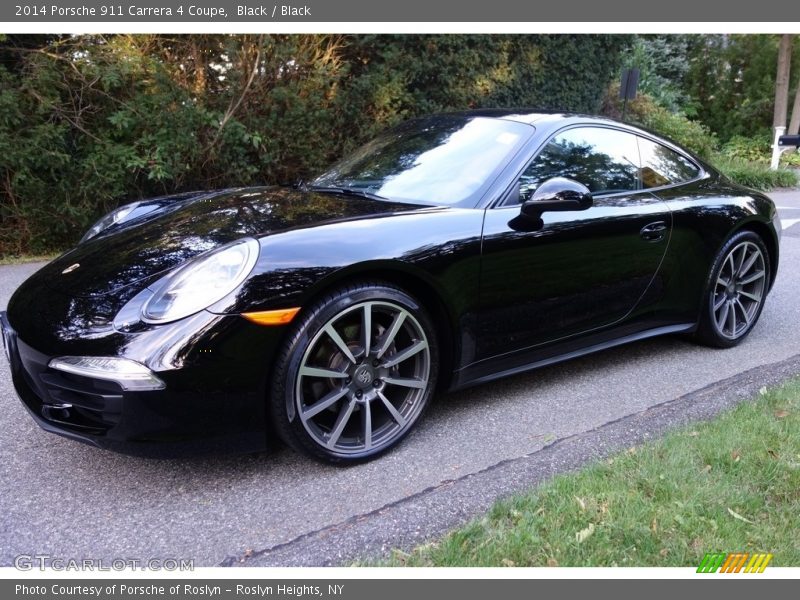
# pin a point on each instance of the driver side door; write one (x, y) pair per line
(575, 271)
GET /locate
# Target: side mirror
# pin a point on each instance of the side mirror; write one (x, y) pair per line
(558, 193)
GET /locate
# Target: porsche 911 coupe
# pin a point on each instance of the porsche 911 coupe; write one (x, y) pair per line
(449, 251)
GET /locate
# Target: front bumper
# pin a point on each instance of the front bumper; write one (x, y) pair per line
(185, 418)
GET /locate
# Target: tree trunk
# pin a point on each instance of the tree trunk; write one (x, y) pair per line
(782, 81)
(199, 61)
(794, 125)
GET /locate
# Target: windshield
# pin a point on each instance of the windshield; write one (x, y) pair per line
(434, 160)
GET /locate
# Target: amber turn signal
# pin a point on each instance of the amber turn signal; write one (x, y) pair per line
(281, 316)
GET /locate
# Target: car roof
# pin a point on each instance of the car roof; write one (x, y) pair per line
(529, 116)
(548, 121)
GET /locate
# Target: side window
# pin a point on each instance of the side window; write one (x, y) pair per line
(662, 166)
(604, 160)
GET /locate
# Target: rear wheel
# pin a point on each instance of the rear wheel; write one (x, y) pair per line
(736, 291)
(356, 374)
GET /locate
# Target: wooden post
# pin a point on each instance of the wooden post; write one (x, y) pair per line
(782, 81)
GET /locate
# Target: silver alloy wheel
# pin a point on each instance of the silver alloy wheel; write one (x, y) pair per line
(739, 290)
(363, 378)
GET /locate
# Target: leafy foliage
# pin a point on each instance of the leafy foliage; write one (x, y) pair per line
(727, 82)
(732, 82)
(754, 149)
(756, 175)
(644, 111)
(757, 149)
(743, 160)
(88, 122)
(663, 66)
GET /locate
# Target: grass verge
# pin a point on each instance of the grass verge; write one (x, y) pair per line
(755, 174)
(731, 484)
(25, 258)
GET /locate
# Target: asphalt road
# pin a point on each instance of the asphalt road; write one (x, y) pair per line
(68, 500)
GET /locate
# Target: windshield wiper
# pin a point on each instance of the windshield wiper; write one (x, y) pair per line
(345, 191)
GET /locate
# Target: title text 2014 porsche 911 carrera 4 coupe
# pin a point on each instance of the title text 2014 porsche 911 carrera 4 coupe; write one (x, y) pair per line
(449, 251)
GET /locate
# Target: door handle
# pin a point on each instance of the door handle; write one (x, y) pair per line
(654, 232)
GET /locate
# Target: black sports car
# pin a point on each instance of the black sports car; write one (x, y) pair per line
(449, 251)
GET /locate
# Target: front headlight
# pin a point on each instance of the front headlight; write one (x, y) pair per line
(112, 218)
(201, 282)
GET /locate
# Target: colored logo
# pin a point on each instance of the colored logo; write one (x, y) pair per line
(734, 562)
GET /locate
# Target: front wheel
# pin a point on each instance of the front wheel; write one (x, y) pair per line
(736, 290)
(356, 374)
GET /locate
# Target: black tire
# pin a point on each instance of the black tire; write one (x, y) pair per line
(325, 390)
(729, 312)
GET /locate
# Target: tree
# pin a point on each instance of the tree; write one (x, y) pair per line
(782, 80)
(663, 61)
(88, 122)
(794, 124)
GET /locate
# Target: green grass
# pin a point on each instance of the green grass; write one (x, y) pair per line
(11, 259)
(755, 175)
(732, 484)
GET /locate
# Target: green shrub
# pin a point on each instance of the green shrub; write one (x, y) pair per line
(756, 175)
(791, 159)
(644, 111)
(691, 134)
(755, 149)
(88, 122)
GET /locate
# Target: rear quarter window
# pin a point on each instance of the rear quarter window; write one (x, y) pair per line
(662, 166)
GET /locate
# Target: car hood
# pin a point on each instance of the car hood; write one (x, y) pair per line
(143, 249)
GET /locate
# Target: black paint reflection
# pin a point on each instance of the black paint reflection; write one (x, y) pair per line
(579, 271)
(662, 166)
(160, 243)
(604, 160)
(444, 160)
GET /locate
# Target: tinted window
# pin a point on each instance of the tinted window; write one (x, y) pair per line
(604, 160)
(440, 160)
(662, 166)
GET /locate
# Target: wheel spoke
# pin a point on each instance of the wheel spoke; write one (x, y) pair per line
(732, 319)
(406, 382)
(753, 297)
(742, 256)
(413, 349)
(744, 312)
(340, 343)
(722, 281)
(723, 315)
(718, 304)
(341, 422)
(366, 422)
(323, 404)
(391, 333)
(732, 265)
(754, 277)
(366, 328)
(399, 419)
(745, 268)
(320, 372)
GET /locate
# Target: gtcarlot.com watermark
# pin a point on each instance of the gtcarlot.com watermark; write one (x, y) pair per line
(42, 562)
